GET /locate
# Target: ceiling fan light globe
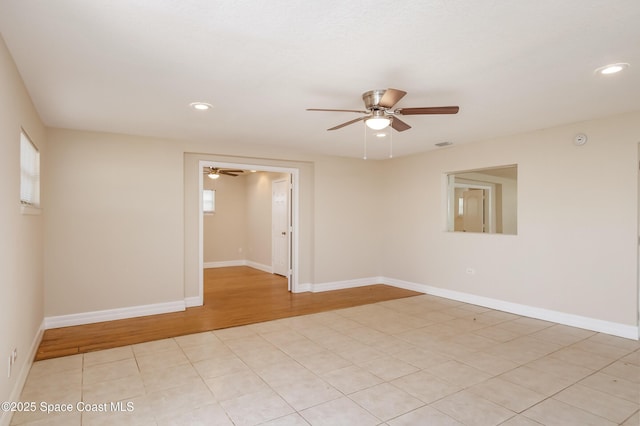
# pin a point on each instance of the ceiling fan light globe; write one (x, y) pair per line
(213, 175)
(200, 106)
(612, 68)
(377, 123)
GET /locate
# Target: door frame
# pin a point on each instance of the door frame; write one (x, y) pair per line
(287, 182)
(294, 243)
(452, 207)
(638, 245)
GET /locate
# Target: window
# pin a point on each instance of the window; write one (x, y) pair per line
(29, 172)
(208, 201)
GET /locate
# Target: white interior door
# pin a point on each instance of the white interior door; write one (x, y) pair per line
(473, 210)
(280, 227)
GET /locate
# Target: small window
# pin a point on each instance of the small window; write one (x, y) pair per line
(208, 201)
(29, 172)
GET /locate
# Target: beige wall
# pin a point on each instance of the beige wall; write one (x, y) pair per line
(240, 229)
(21, 236)
(349, 205)
(509, 206)
(576, 248)
(225, 231)
(259, 217)
(114, 222)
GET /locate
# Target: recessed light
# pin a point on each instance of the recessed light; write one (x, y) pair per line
(200, 106)
(612, 68)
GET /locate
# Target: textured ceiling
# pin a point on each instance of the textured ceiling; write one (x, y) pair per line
(133, 66)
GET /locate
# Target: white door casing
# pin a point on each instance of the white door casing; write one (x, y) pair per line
(455, 191)
(280, 226)
(294, 174)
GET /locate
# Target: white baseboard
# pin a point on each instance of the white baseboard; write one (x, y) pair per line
(224, 264)
(341, 285)
(602, 326)
(5, 416)
(607, 327)
(239, 262)
(303, 287)
(191, 302)
(593, 324)
(113, 314)
(143, 310)
(260, 266)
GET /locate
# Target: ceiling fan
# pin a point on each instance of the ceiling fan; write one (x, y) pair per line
(379, 112)
(215, 173)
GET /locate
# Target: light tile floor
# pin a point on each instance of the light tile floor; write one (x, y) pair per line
(416, 361)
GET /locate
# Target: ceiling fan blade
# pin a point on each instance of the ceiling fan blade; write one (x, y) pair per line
(228, 174)
(399, 125)
(339, 126)
(338, 110)
(231, 171)
(428, 110)
(391, 97)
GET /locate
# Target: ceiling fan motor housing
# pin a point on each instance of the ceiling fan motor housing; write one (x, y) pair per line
(372, 99)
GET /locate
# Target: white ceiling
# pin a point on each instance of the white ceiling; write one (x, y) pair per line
(133, 66)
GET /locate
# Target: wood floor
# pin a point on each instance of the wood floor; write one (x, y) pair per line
(232, 296)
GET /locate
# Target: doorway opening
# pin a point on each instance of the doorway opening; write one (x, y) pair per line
(483, 200)
(474, 208)
(282, 239)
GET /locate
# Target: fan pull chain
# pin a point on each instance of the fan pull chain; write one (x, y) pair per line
(390, 141)
(365, 142)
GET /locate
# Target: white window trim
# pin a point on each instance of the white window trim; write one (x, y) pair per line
(26, 207)
(213, 210)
